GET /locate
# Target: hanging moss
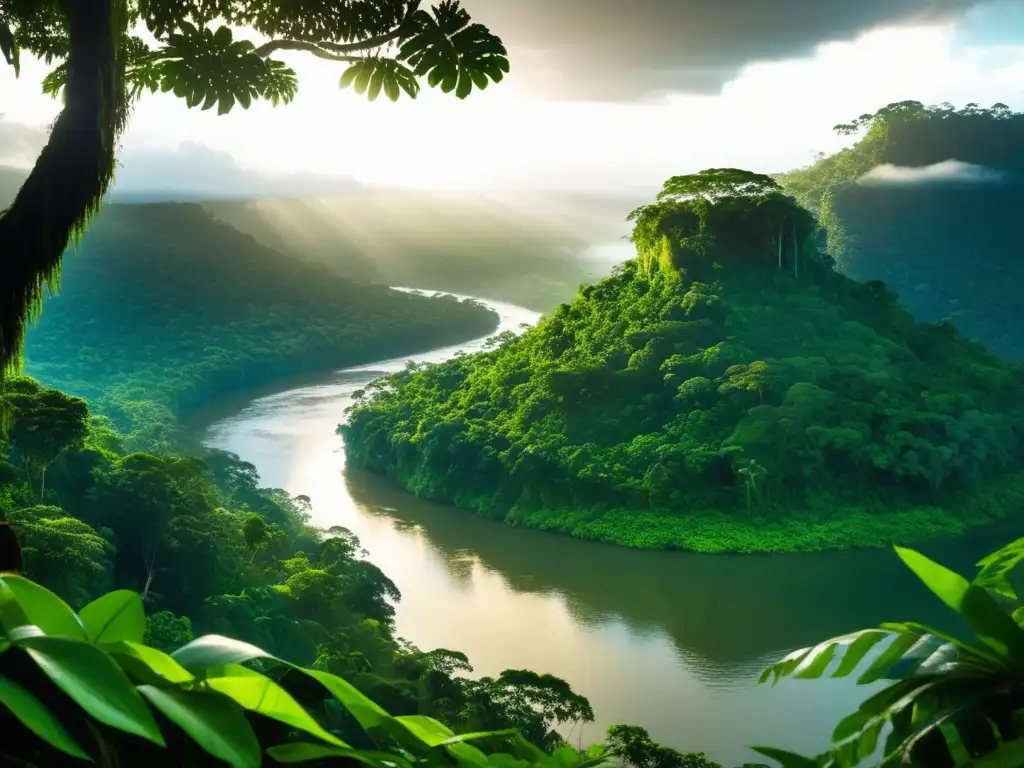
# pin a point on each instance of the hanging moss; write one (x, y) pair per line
(72, 173)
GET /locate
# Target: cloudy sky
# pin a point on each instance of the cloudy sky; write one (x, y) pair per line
(605, 95)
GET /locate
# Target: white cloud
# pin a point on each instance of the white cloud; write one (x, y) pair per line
(945, 172)
(772, 117)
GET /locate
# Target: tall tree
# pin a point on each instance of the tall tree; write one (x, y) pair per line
(103, 64)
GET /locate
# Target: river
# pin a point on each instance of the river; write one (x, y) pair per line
(670, 641)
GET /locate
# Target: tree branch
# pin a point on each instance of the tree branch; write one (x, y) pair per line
(298, 45)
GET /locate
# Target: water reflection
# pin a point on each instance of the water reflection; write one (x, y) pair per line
(672, 641)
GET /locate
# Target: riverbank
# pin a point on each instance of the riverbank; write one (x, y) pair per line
(830, 530)
(681, 657)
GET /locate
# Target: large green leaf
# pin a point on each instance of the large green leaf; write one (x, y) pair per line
(148, 664)
(216, 651)
(215, 722)
(302, 752)
(367, 713)
(37, 718)
(262, 695)
(993, 626)
(42, 608)
(115, 617)
(93, 680)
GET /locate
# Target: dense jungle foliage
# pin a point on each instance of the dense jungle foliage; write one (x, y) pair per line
(725, 390)
(948, 246)
(212, 552)
(163, 308)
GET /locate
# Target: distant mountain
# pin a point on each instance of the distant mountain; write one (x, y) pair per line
(534, 250)
(165, 304)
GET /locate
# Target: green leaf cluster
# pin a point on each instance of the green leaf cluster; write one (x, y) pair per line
(83, 683)
(947, 701)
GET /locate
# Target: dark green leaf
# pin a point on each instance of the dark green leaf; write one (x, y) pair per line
(223, 36)
(37, 718)
(350, 74)
(214, 722)
(94, 681)
(115, 617)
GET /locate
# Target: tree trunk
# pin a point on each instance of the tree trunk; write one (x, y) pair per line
(780, 245)
(796, 255)
(42, 484)
(72, 172)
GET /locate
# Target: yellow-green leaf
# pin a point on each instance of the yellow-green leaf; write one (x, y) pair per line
(116, 616)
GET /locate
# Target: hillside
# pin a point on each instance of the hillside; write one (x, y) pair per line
(943, 230)
(529, 251)
(726, 390)
(163, 308)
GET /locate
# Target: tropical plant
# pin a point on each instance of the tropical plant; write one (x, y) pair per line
(103, 64)
(950, 702)
(83, 685)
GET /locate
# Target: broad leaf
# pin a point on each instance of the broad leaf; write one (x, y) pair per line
(115, 617)
(262, 695)
(993, 626)
(145, 663)
(367, 713)
(43, 609)
(215, 723)
(34, 715)
(95, 682)
(216, 651)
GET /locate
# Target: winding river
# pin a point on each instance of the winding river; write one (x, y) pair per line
(670, 641)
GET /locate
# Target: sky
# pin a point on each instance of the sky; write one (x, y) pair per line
(605, 96)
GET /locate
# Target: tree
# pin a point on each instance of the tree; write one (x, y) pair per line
(103, 65)
(634, 746)
(46, 422)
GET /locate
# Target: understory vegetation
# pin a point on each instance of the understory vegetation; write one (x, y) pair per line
(726, 390)
(164, 309)
(946, 241)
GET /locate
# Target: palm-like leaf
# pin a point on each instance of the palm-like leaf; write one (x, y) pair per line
(949, 701)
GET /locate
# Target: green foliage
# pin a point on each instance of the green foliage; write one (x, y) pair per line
(103, 66)
(633, 745)
(703, 398)
(230, 313)
(199, 705)
(948, 701)
(948, 248)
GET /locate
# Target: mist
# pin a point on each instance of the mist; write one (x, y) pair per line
(946, 172)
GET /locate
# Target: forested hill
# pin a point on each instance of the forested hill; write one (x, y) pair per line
(947, 240)
(725, 390)
(163, 307)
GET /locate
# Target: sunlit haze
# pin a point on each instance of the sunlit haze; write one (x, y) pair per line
(773, 115)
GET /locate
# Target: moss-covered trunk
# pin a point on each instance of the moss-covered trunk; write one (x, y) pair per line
(72, 172)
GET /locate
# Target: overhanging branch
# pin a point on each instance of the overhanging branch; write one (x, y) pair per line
(298, 45)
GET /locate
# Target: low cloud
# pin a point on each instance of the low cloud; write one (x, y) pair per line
(945, 172)
(197, 172)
